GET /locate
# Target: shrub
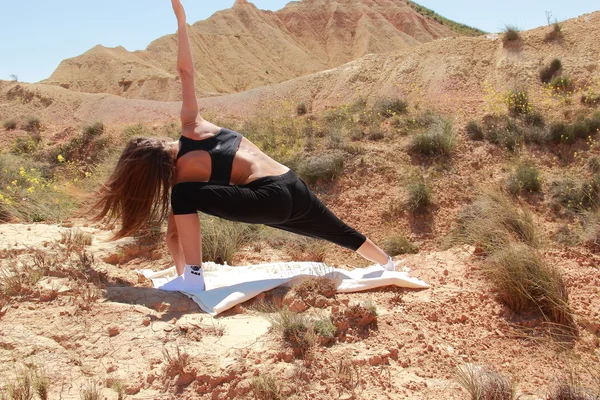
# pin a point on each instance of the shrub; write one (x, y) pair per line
(593, 164)
(22, 387)
(536, 135)
(439, 140)
(575, 195)
(295, 328)
(511, 35)
(534, 119)
(503, 131)
(418, 195)
(484, 384)
(549, 72)
(555, 33)
(10, 124)
(525, 282)
(95, 129)
(492, 221)
(561, 133)
(562, 83)
(474, 131)
(388, 108)
(325, 328)
(517, 102)
(24, 145)
(323, 169)
(593, 123)
(32, 124)
(376, 134)
(301, 109)
(221, 240)
(136, 130)
(591, 230)
(399, 244)
(525, 177)
(590, 99)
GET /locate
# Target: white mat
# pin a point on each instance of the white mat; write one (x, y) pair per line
(227, 286)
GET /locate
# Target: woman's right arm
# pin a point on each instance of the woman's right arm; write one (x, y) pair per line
(185, 68)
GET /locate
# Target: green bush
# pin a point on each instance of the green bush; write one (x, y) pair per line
(301, 109)
(534, 119)
(136, 130)
(32, 124)
(511, 34)
(10, 124)
(550, 71)
(324, 169)
(474, 131)
(388, 108)
(594, 164)
(24, 145)
(562, 83)
(376, 134)
(555, 33)
(419, 195)
(517, 102)
(439, 140)
(95, 129)
(561, 133)
(525, 177)
(398, 245)
(575, 195)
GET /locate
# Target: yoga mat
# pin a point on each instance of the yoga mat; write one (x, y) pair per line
(227, 286)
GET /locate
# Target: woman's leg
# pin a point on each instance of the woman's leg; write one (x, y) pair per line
(192, 279)
(310, 217)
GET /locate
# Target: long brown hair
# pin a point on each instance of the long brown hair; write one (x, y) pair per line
(138, 190)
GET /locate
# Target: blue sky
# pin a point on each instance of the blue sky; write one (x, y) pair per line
(35, 35)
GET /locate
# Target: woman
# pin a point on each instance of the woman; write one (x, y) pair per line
(216, 171)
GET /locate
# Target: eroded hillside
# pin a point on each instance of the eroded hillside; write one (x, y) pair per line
(243, 48)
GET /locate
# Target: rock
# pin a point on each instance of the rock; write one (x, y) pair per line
(113, 331)
(298, 306)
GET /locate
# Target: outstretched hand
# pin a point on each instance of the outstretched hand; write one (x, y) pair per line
(179, 11)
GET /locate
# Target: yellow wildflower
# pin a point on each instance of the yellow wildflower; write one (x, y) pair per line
(60, 158)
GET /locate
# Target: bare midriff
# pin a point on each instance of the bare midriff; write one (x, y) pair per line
(249, 164)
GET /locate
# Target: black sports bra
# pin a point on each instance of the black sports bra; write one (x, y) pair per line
(221, 147)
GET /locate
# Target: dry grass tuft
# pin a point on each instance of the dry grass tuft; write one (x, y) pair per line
(307, 249)
(175, 363)
(266, 387)
(221, 240)
(399, 244)
(18, 281)
(119, 387)
(492, 221)
(569, 392)
(90, 391)
(21, 388)
(524, 281)
(484, 384)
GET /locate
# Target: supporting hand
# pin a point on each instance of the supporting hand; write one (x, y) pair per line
(179, 11)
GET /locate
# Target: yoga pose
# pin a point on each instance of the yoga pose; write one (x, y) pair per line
(218, 172)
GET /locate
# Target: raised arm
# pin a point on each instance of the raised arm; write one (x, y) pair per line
(185, 67)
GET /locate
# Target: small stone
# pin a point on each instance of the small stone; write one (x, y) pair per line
(113, 331)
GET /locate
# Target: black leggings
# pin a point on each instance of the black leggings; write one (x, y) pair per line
(283, 202)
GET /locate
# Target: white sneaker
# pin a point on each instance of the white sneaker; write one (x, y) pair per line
(390, 265)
